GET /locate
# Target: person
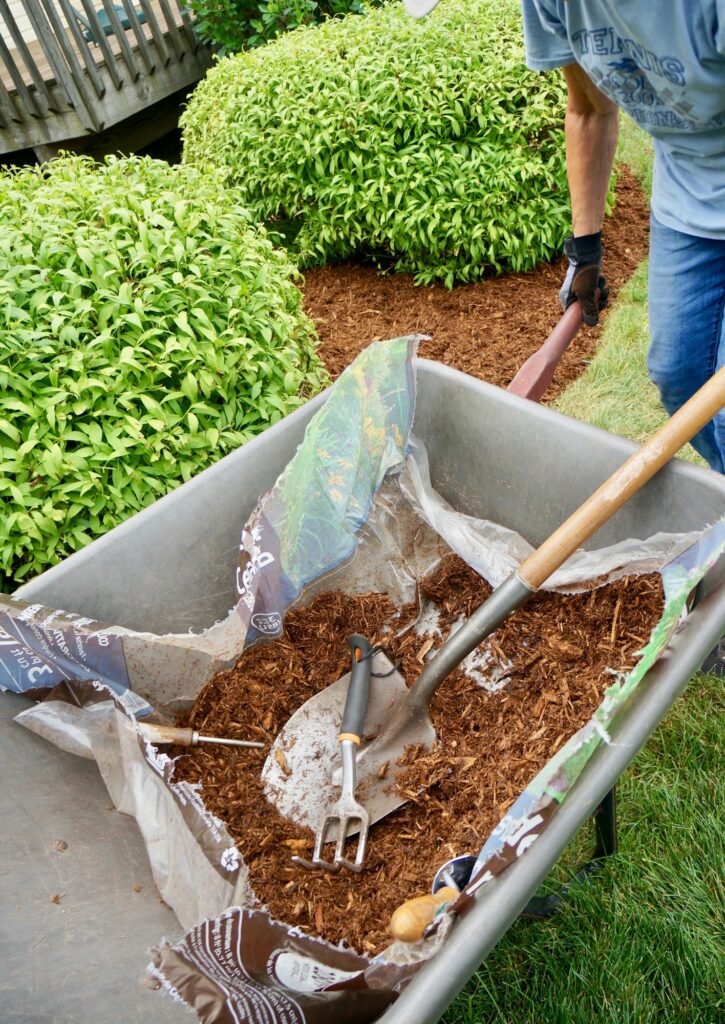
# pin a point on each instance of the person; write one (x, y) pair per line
(662, 62)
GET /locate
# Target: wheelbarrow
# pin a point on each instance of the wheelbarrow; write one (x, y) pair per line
(494, 455)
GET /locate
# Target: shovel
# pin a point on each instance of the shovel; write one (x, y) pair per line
(399, 718)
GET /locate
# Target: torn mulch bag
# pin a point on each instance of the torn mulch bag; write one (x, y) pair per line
(354, 511)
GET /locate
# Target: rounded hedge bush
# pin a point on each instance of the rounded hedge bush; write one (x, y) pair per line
(146, 329)
(425, 144)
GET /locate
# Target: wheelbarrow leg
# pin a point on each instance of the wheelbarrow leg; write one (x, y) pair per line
(540, 908)
(605, 826)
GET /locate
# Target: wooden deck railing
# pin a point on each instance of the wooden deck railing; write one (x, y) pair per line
(83, 66)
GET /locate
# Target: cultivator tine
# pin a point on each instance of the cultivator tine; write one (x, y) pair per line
(340, 824)
(315, 863)
(357, 864)
(318, 861)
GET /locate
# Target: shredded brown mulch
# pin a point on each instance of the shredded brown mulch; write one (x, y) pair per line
(487, 329)
(562, 650)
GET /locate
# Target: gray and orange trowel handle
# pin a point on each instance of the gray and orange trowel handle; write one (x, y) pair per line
(596, 510)
(358, 691)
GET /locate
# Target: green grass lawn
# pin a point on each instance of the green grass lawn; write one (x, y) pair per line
(643, 943)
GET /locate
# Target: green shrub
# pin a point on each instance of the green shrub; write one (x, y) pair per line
(427, 145)
(145, 330)
(233, 25)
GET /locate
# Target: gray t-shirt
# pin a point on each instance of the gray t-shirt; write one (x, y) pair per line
(664, 63)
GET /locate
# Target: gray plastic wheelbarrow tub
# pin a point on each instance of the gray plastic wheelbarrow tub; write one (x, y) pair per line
(168, 569)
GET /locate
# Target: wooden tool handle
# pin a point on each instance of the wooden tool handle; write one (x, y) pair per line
(411, 919)
(625, 482)
(536, 374)
(167, 734)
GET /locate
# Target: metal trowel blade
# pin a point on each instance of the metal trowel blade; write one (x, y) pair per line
(301, 774)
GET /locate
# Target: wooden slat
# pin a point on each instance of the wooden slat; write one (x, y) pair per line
(177, 43)
(83, 48)
(27, 58)
(7, 110)
(193, 39)
(53, 55)
(128, 55)
(137, 29)
(28, 98)
(104, 48)
(108, 55)
(42, 59)
(80, 81)
(155, 28)
(65, 129)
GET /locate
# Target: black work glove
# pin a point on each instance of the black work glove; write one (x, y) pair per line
(584, 276)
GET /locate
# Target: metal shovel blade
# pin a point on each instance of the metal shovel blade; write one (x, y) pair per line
(301, 775)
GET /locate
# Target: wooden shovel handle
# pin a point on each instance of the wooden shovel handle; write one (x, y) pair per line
(412, 918)
(624, 482)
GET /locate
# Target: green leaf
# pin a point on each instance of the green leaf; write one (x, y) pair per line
(7, 428)
(190, 387)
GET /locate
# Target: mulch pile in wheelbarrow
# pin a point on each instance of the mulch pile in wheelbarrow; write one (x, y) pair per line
(563, 649)
(487, 329)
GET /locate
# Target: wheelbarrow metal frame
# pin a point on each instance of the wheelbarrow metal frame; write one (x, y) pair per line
(455, 414)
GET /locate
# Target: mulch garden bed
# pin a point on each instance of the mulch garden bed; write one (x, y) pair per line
(487, 329)
(562, 649)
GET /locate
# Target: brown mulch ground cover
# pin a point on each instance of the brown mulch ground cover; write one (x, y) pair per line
(562, 649)
(487, 329)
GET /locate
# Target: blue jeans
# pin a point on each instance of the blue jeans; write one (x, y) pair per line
(687, 323)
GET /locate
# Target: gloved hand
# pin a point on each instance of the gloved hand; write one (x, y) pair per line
(584, 276)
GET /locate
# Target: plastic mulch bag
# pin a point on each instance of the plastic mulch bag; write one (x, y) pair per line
(354, 510)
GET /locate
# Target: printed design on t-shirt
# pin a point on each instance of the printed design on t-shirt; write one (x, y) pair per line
(628, 78)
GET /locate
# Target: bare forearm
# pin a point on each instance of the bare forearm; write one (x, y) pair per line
(591, 141)
(592, 125)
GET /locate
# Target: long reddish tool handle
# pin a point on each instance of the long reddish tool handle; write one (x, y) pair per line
(536, 374)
